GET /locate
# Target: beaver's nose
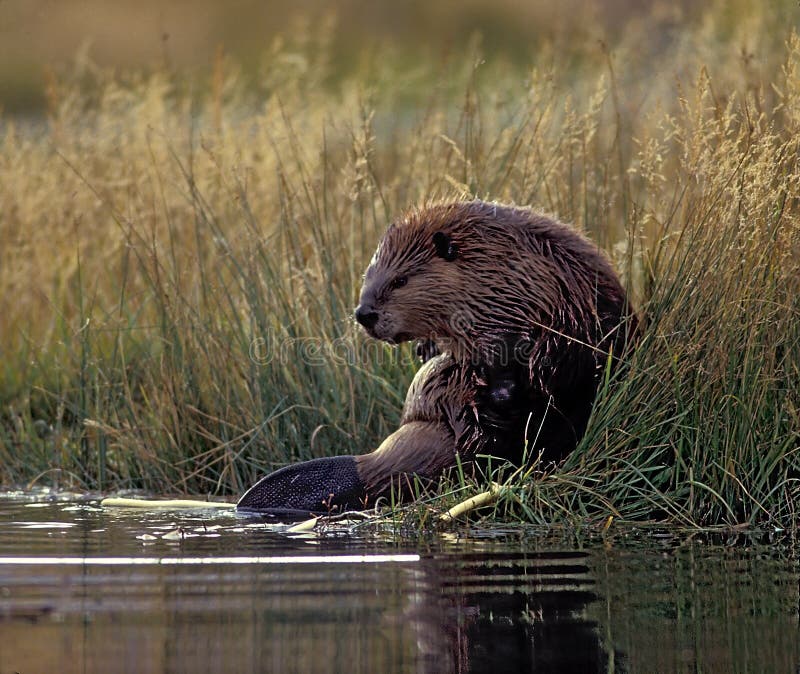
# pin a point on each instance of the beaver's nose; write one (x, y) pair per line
(366, 316)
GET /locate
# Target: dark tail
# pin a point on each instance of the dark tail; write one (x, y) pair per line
(319, 486)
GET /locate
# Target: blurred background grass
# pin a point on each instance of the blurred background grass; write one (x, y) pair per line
(663, 38)
(189, 195)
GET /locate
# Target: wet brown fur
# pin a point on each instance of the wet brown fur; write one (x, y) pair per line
(440, 420)
(516, 302)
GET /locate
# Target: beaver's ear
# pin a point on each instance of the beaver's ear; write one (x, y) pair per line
(445, 248)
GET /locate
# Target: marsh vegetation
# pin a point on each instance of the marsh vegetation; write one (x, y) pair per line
(181, 255)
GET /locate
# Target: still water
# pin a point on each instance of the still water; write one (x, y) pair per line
(84, 588)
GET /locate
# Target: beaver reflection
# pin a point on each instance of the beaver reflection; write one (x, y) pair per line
(506, 613)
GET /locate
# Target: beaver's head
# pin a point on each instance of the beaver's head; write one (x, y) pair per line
(412, 282)
(451, 272)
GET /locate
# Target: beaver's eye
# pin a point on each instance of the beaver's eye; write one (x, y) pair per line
(399, 282)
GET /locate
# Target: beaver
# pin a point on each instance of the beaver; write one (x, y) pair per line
(519, 315)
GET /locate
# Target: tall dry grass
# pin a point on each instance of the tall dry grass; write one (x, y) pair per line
(180, 264)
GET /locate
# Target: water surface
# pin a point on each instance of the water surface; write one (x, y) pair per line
(91, 589)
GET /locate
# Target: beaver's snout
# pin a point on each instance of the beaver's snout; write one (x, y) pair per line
(366, 316)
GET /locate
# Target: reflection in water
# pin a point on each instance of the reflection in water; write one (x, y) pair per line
(524, 612)
(386, 612)
(231, 595)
